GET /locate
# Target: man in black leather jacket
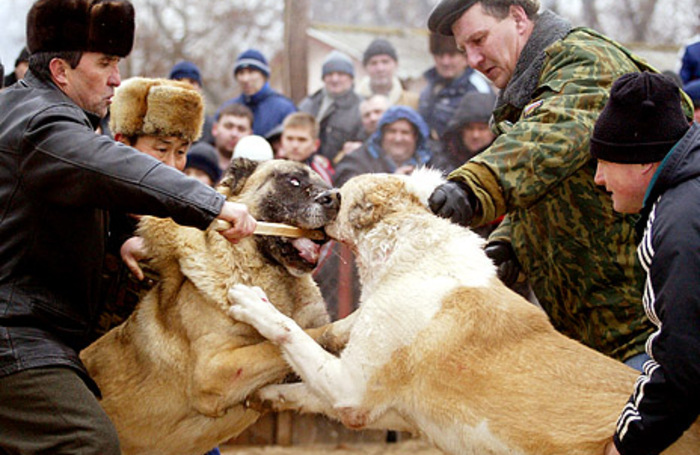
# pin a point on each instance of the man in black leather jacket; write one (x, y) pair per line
(58, 179)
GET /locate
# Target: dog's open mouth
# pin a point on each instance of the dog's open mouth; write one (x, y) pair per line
(308, 250)
(301, 254)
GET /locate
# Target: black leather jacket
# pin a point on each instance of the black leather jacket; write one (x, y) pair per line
(58, 179)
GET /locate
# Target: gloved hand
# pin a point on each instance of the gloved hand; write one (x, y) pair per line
(503, 257)
(452, 200)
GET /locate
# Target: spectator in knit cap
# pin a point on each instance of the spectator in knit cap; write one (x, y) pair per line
(336, 106)
(203, 163)
(649, 160)
(189, 72)
(448, 81)
(252, 73)
(21, 66)
(381, 62)
(693, 90)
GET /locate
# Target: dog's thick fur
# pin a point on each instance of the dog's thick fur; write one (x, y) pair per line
(176, 374)
(440, 346)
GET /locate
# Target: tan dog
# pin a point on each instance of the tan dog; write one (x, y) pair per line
(440, 346)
(175, 375)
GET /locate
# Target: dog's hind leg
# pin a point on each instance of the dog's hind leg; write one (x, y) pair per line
(332, 379)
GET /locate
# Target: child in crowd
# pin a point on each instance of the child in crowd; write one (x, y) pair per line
(300, 142)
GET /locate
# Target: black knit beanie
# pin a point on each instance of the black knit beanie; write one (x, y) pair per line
(641, 121)
(379, 46)
(203, 156)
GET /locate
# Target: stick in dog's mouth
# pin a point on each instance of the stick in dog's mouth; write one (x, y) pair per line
(278, 229)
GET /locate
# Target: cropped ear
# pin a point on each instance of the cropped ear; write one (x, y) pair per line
(375, 204)
(58, 68)
(236, 175)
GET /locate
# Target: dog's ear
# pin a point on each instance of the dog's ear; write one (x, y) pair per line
(375, 204)
(236, 175)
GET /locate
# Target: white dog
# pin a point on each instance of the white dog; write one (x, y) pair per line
(440, 346)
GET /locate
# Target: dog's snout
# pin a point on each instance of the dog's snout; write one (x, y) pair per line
(330, 199)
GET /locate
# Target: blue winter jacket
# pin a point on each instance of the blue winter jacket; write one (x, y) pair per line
(269, 108)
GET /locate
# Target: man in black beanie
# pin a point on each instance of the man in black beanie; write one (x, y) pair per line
(381, 62)
(649, 160)
(58, 179)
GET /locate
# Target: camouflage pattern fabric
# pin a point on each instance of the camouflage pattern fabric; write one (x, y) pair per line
(578, 254)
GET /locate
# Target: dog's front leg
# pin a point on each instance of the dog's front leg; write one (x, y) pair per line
(298, 397)
(291, 397)
(340, 384)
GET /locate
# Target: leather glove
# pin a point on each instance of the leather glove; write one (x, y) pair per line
(453, 200)
(503, 256)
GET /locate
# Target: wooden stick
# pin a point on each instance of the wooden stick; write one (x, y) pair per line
(278, 229)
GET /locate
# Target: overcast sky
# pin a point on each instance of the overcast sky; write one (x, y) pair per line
(13, 14)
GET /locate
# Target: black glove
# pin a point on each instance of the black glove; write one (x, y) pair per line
(453, 200)
(503, 256)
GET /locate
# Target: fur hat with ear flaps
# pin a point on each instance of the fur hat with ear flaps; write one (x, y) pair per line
(157, 107)
(105, 26)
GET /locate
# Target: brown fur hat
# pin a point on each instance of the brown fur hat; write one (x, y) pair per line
(105, 26)
(157, 107)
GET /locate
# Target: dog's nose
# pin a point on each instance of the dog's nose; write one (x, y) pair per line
(329, 199)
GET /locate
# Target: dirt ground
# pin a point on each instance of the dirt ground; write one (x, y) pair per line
(411, 446)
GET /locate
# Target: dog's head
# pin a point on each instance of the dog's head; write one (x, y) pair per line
(283, 192)
(370, 198)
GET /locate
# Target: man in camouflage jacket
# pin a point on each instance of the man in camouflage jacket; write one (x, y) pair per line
(554, 81)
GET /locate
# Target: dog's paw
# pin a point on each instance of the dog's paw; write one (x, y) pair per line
(275, 398)
(353, 417)
(250, 305)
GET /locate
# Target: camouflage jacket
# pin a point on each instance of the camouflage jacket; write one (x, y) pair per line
(578, 254)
